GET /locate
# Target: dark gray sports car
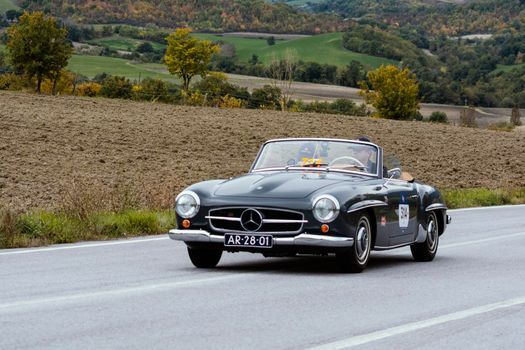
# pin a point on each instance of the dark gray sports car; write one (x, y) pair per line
(311, 196)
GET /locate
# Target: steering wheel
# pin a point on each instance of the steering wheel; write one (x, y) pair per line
(352, 159)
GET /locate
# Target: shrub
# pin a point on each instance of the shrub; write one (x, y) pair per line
(65, 84)
(438, 117)
(268, 97)
(502, 126)
(418, 116)
(343, 106)
(230, 102)
(116, 87)
(154, 90)
(214, 85)
(195, 99)
(12, 81)
(8, 227)
(90, 89)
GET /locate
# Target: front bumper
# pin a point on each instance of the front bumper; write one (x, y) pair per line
(303, 239)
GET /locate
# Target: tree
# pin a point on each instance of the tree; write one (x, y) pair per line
(282, 74)
(394, 92)
(145, 47)
(187, 56)
(515, 116)
(38, 47)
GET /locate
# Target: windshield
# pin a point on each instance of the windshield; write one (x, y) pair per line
(335, 155)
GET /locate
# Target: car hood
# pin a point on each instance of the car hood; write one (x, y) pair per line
(279, 185)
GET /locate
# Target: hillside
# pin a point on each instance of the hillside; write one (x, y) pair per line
(50, 144)
(329, 49)
(210, 15)
(454, 17)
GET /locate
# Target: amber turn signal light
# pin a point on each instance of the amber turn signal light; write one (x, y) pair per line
(186, 223)
(325, 228)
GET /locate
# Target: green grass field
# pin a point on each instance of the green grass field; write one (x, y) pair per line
(508, 68)
(7, 5)
(325, 48)
(117, 42)
(93, 65)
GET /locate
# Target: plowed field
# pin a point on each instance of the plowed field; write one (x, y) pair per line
(48, 143)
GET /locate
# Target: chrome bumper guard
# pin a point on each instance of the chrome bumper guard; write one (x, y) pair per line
(303, 239)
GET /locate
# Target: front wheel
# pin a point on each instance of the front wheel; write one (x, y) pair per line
(427, 250)
(356, 258)
(204, 258)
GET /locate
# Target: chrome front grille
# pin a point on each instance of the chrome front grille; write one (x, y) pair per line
(272, 220)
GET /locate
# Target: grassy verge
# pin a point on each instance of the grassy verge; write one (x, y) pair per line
(39, 228)
(46, 227)
(482, 197)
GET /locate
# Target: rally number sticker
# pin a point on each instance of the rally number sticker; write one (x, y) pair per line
(403, 215)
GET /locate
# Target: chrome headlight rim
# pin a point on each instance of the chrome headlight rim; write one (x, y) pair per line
(197, 205)
(335, 211)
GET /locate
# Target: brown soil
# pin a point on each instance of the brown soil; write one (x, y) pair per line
(46, 143)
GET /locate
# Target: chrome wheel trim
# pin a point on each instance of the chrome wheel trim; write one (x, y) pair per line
(362, 240)
(432, 233)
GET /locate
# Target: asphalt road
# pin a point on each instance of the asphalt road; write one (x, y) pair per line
(145, 293)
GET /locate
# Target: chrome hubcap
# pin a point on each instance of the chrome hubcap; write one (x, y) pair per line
(362, 242)
(432, 234)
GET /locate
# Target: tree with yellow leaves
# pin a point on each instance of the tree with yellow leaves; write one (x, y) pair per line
(393, 92)
(187, 56)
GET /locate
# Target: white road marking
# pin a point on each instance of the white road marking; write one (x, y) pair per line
(83, 245)
(414, 326)
(137, 290)
(482, 240)
(484, 208)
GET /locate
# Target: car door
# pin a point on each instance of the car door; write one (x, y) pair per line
(402, 214)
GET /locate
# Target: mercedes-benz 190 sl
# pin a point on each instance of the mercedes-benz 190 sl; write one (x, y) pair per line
(311, 196)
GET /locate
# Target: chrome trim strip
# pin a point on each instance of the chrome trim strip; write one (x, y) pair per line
(284, 221)
(225, 218)
(324, 169)
(393, 247)
(436, 206)
(366, 204)
(304, 239)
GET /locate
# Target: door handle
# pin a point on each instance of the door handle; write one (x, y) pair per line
(414, 196)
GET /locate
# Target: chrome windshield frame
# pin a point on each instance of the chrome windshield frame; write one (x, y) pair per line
(379, 158)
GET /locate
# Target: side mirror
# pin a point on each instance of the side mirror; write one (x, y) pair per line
(394, 173)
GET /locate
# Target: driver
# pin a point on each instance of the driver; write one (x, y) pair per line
(363, 154)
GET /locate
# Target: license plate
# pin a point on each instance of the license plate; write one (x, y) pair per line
(242, 240)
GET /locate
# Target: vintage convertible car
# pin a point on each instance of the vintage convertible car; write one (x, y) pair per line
(311, 196)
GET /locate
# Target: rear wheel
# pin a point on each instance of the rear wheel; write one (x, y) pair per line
(356, 258)
(204, 258)
(427, 250)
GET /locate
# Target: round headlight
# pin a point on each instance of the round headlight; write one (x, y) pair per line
(326, 208)
(187, 204)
